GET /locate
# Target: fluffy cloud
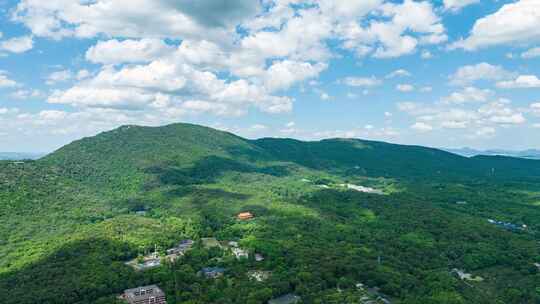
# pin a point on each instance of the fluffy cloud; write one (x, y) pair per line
(301, 38)
(469, 74)
(468, 94)
(451, 118)
(17, 44)
(127, 51)
(82, 74)
(405, 88)
(452, 124)
(362, 81)
(213, 13)
(398, 73)
(500, 112)
(535, 108)
(279, 45)
(145, 18)
(26, 94)
(489, 115)
(208, 54)
(455, 5)
(522, 81)
(516, 22)
(426, 54)
(161, 75)
(5, 82)
(167, 83)
(187, 77)
(74, 124)
(174, 58)
(531, 53)
(422, 127)
(59, 76)
(103, 98)
(282, 74)
(485, 132)
(409, 107)
(402, 28)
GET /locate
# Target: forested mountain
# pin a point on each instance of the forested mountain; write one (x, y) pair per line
(328, 215)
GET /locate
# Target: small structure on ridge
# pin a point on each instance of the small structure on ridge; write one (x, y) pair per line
(243, 216)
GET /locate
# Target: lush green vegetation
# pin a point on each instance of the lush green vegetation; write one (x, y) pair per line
(69, 221)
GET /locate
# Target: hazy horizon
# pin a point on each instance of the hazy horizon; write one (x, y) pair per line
(45, 152)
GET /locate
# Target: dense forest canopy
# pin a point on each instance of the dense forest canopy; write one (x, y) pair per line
(70, 221)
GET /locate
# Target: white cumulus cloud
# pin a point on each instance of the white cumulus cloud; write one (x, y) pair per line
(531, 53)
(455, 5)
(422, 127)
(5, 81)
(405, 87)
(467, 95)
(521, 82)
(17, 44)
(362, 81)
(127, 51)
(514, 23)
(469, 74)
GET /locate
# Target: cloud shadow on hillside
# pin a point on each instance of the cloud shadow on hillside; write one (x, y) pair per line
(208, 170)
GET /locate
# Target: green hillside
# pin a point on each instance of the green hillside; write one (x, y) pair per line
(69, 221)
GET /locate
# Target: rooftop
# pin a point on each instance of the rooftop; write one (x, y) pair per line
(213, 269)
(210, 242)
(145, 294)
(245, 215)
(213, 272)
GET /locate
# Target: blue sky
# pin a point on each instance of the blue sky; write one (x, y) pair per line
(447, 73)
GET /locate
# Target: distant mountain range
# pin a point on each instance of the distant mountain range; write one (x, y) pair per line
(468, 152)
(19, 155)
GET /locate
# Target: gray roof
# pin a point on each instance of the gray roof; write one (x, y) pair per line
(213, 269)
(286, 299)
(143, 293)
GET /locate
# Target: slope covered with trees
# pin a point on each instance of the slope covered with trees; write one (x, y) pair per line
(69, 221)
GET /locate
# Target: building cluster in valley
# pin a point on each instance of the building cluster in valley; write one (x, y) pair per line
(153, 294)
(154, 259)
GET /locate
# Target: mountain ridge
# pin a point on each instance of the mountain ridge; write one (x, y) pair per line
(103, 200)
